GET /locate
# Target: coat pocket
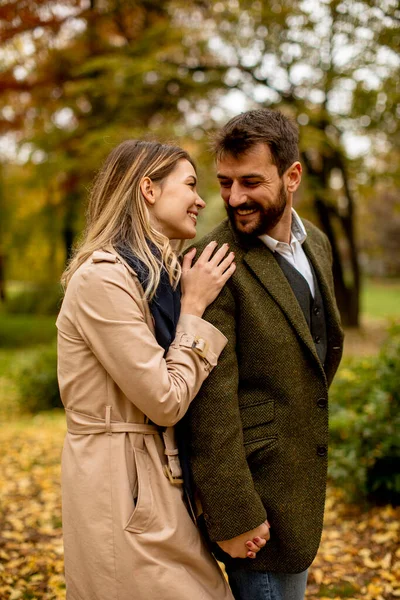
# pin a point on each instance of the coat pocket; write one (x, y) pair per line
(254, 418)
(143, 512)
(260, 450)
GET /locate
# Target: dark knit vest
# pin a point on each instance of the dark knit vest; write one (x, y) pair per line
(313, 308)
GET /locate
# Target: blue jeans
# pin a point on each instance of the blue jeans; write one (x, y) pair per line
(252, 585)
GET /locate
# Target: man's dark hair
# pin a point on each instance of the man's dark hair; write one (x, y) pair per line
(265, 126)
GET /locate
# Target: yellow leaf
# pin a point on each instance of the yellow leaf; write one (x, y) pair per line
(318, 576)
(383, 538)
(370, 564)
(386, 561)
(374, 589)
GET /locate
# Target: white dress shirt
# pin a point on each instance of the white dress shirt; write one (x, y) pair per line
(293, 252)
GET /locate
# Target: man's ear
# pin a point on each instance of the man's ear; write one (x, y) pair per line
(148, 190)
(293, 177)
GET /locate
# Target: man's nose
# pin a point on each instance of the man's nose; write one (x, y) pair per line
(237, 196)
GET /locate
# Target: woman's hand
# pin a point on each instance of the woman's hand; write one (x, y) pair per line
(242, 546)
(202, 283)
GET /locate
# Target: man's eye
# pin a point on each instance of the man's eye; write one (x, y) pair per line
(251, 183)
(225, 184)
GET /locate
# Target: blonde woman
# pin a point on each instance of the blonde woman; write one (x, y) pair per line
(132, 355)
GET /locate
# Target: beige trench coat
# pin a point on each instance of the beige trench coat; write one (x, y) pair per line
(127, 532)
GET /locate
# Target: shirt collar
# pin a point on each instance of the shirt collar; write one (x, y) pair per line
(298, 233)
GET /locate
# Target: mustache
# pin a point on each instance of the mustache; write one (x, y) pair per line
(247, 206)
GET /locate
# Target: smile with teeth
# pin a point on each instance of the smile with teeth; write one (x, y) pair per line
(193, 216)
(245, 211)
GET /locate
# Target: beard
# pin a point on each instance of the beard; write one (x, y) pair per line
(268, 216)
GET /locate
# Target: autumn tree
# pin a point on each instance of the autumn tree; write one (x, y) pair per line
(80, 76)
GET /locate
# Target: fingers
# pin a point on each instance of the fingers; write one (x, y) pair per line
(252, 546)
(188, 258)
(226, 262)
(228, 273)
(255, 546)
(219, 255)
(207, 252)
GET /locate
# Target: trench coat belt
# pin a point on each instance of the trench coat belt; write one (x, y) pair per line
(81, 424)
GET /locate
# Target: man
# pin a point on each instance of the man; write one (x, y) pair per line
(258, 430)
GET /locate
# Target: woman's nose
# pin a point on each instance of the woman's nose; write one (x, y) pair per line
(200, 202)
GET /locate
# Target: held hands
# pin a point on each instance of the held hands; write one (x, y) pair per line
(202, 282)
(241, 546)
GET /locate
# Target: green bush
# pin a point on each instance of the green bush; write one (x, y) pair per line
(37, 380)
(22, 331)
(365, 425)
(38, 299)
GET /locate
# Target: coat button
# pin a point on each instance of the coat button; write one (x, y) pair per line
(316, 310)
(322, 402)
(317, 339)
(322, 450)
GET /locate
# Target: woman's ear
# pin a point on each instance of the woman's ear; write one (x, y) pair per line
(148, 190)
(293, 177)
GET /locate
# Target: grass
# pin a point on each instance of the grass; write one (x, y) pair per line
(11, 362)
(19, 331)
(380, 305)
(381, 298)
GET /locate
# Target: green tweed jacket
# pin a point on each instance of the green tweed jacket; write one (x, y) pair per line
(258, 430)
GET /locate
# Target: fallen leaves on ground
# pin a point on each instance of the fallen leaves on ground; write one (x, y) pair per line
(31, 550)
(359, 557)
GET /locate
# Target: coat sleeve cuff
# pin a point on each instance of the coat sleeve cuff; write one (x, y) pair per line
(220, 529)
(204, 339)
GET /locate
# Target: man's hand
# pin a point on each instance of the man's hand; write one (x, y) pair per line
(246, 545)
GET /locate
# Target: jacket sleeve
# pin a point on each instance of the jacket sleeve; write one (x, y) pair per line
(220, 471)
(109, 316)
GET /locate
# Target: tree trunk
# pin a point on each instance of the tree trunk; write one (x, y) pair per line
(347, 289)
(2, 279)
(347, 295)
(72, 198)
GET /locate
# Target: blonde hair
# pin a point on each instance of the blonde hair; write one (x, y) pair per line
(117, 214)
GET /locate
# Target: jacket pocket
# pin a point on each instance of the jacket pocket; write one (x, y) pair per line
(143, 512)
(254, 417)
(257, 450)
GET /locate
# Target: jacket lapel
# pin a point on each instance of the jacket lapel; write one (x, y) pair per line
(264, 266)
(314, 256)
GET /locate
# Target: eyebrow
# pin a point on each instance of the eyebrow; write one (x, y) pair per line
(247, 176)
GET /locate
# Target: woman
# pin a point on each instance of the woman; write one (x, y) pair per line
(129, 366)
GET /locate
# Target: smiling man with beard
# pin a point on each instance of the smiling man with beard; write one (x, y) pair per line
(257, 434)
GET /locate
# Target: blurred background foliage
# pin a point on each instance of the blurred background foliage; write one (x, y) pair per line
(79, 76)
